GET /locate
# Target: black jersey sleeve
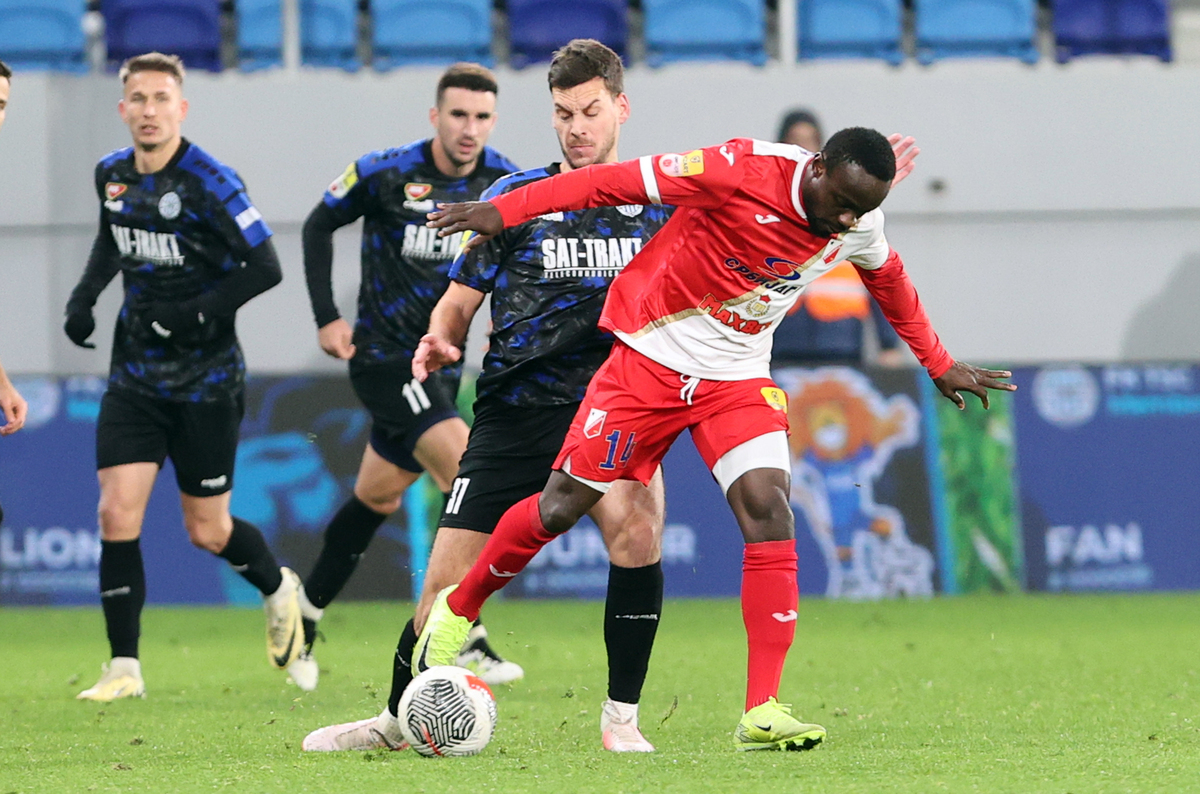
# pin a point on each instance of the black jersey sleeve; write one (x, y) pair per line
(104, 262)
(317, 238)
(258, 272)
(344, 202)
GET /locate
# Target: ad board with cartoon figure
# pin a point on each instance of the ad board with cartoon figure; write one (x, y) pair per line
(859, 486)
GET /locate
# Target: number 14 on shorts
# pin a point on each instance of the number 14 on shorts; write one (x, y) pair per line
(611, 461)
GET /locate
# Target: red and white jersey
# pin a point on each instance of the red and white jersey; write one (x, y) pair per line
(703, 297)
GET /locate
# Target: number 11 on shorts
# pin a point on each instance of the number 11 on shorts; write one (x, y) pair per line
(614, 441)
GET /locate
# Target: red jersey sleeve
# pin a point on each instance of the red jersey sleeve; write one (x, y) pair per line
(891, 287)
(702, 178)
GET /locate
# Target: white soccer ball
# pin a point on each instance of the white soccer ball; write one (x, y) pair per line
(447, 711)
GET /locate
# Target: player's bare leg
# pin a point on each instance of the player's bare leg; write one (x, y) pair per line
(124, 493)
(759, 499)
(630, 517)
(211, 527)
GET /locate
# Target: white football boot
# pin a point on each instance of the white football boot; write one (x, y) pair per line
(120, 678)
(479, 657)
(285, 633)
(304, 671)
(376, 733)
(619, 728)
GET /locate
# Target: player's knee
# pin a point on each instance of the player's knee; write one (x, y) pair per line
(384, 502)
(208, 534)
(117, 521)
(558, 515)
(765, 515)
(635, 549)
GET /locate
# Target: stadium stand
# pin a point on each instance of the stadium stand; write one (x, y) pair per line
(431, 31)
(329, 33)
(1111, 27)
(538, 27)
(704, 29)
(190, 29)
(259, 34)
(850, 29)
(42, 34)
(973, 28)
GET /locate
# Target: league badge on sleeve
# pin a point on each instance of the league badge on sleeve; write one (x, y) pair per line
(679, 165)
(341, 186)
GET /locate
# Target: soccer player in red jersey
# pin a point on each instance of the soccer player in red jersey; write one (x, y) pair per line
(693, 314)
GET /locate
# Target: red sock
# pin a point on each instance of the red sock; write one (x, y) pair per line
(769, 600)
(518, 537)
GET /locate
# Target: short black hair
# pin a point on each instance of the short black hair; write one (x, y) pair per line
(798, 116)
(470, 76)
(864, 146)
(5, 71)
(580, 60)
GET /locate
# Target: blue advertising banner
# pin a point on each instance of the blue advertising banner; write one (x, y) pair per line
(302, 439)
(1108, 465)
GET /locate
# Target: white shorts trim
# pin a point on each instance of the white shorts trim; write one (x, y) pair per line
(602, 487)
(768, 451)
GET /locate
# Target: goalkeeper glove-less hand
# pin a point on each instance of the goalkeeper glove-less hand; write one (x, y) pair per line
(79, 326)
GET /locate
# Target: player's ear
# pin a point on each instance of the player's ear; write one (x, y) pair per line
(183, 109)
(433, 115)
(121, 109)
(622, 101)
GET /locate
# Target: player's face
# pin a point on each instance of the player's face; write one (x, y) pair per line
(153, 109)
(4, 88)
(463, 121)
(588, 121)
(834, 199)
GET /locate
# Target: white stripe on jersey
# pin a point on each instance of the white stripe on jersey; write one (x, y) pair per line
(788, 152)
(650, 180)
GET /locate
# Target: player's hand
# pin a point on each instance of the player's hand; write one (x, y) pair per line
(14, 406)
(79, 326)
(968, 377)
(173, 320)
(433, 353)
(906, 152)
(337, 339)
(480, 217)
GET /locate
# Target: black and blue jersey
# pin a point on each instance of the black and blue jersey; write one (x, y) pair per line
(175, 236)
(405, 265)
(548, 278)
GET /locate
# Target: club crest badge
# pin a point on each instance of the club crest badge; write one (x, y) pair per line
(594, 425)
(169, 206)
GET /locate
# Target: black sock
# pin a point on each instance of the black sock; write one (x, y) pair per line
(402, 674)
(631, 614)
(122, 594)
(247, 552)
(346, 538)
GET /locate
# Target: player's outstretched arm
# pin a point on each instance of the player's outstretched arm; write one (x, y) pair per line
(480, 217)
(448, 326)
(12, 404)
(906, 151)
(970, 378)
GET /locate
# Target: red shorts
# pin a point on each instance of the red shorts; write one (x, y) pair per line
(635, 408)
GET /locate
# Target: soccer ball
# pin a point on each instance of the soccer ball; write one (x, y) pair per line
(447, 711)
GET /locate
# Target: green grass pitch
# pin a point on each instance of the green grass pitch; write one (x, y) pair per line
(1015, 694)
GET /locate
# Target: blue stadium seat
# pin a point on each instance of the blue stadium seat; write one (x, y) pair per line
(259, 34)
(190, 29)
(1115, 27)
(704, 29)
(329, 33)
(538, 27)
(850, 29)
(968, 28)
(42, 34)
(431, 31)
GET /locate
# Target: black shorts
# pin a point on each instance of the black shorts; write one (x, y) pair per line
(201, 438)
(509, 457)
(402, 408)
